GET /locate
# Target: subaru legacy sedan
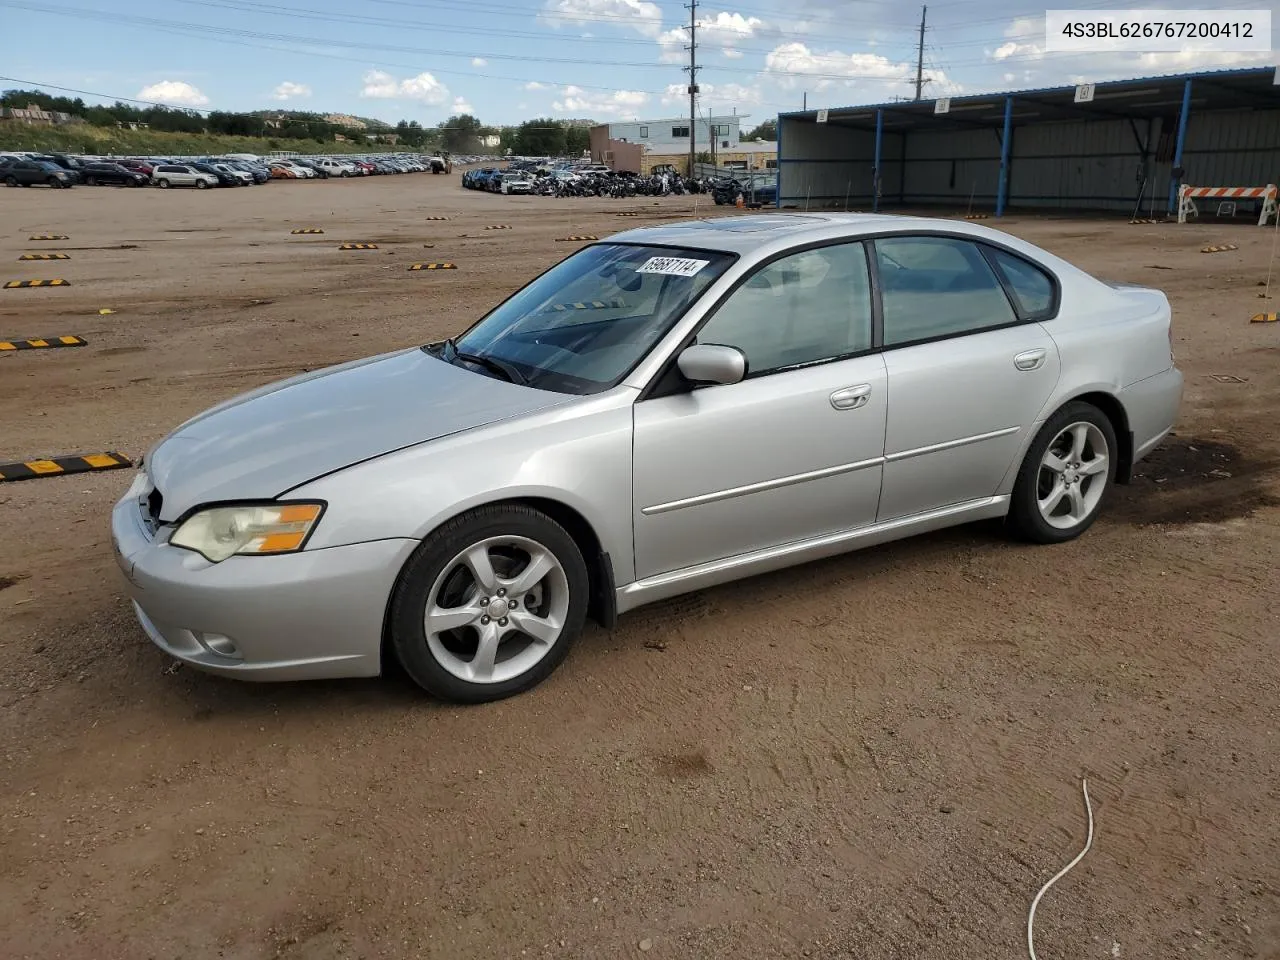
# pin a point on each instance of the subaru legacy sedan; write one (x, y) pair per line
(672, 408)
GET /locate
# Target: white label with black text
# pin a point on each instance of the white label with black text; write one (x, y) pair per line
(672, 266)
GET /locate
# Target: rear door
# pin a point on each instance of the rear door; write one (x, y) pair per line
(969, 368)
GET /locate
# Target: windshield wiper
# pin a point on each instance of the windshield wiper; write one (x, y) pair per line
(492, 364)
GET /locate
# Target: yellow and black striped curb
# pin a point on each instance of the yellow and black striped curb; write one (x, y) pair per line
(1145, 221)
(358, 246)
(45, 256)
(977, 216)
(628, 214)
(433, 266)
(302, 230)
(1256, 318)
(435, 218)
(19, 284)
(499, 226)
(59, 466)
(48, 236)
(40, 343)
(575, 239)
(1221, 248)
(589, 305)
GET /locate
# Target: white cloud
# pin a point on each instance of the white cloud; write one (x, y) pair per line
(716, 95)
(460, 105)
(479, 62)
(639, 15)
(724, 30)
(173, 91)
(290, 91)
(1020, 51)
(588, 104)
(730, 53)
(876, 75)
(378, 84)
(535, 85)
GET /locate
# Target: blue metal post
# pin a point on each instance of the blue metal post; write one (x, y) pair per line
(875, 172)
(1006, 141)
(777, 166)
(1177, 152)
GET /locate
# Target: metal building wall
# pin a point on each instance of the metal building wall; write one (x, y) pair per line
(1082, 164)
(830, 166)
(949, 166)
(1232, 148)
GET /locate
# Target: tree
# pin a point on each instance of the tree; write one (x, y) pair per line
(766, 131)
(577, 140)
(543, 137)
(461, 134)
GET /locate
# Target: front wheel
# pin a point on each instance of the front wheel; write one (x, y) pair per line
(200, 184)
(1065, 476)
(489, 605)
(10, 181)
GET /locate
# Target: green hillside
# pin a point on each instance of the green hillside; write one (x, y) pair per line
(104, 141)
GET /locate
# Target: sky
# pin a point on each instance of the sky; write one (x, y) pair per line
(511, 60)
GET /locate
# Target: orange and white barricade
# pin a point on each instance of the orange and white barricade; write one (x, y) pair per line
(1187, 205)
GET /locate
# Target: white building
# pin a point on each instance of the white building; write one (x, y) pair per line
(672, 136)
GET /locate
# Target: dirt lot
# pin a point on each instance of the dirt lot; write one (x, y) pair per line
(876, 756)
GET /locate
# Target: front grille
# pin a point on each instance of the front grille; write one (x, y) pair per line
(154, 502)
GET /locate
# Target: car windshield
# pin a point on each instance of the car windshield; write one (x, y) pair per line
(585, 323)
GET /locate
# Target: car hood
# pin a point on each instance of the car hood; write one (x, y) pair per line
(266, 442)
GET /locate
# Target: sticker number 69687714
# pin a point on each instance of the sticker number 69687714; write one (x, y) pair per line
(672, 266)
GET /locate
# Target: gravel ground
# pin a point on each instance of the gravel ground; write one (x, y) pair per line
(875, 756)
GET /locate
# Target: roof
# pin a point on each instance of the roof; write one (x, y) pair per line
(755, 232)
(1138, 98)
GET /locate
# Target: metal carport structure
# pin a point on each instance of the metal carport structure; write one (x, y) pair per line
(1039, 148)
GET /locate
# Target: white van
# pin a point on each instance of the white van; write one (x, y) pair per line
(336, 168)
(180, 175)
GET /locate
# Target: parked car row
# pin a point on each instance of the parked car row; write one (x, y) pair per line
(60, 170)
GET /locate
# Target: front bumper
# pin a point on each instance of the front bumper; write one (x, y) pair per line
(299, 616)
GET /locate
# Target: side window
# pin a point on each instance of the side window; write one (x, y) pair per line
(810, 306)
(1031, 286)
(937, 287)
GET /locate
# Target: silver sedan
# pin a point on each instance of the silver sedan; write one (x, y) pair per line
(669, 409)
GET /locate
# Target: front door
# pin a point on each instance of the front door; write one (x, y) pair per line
(791, 452)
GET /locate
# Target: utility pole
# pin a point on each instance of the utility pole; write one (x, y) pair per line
(920, 53)
(693, 82)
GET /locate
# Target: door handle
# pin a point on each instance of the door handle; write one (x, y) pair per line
(1030, 359)
(850, 398)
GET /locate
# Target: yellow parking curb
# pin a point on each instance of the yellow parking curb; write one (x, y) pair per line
(60, 466)
(41, 343)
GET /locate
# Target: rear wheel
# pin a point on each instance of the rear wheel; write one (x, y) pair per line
(1066, 475)
(162, 183)
(489, 605)
(90, 181)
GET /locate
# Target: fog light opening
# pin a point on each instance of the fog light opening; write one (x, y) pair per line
(219, 645)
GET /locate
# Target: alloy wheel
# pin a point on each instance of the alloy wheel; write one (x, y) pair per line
(1072, 475)
(496, 609)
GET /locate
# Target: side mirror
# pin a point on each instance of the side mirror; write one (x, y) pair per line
(712, 363)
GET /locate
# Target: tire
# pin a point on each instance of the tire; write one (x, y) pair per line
(443, 661)
(10, 181)
(54, 182)
(1077, 435)
(90, 181)
(162, 183)
(200, 184)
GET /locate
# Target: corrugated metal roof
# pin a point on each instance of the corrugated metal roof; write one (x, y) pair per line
(1253, 77)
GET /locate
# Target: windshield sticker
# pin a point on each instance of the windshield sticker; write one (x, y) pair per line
(672, 266)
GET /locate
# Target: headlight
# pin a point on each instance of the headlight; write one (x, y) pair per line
(221, 532)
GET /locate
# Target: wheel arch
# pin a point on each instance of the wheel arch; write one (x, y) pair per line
(602, 604)
(1114, 411)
